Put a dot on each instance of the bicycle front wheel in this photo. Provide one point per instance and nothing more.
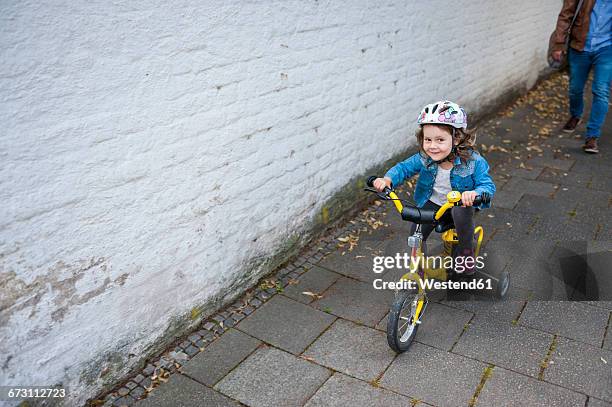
(401, 326)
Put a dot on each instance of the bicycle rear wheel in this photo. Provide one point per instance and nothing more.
(401, 328)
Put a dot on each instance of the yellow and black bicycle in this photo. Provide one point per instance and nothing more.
(409, 306)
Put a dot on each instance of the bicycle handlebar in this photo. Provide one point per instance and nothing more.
(418, 215)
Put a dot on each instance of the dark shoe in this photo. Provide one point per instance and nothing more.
(571, 124)
(466, 265)
(590, 146)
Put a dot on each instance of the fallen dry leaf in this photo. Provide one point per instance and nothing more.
(313, 295)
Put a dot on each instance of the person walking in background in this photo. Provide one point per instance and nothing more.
(590, 47)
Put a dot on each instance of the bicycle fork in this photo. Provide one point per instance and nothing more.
(415, 242)
(420, 309)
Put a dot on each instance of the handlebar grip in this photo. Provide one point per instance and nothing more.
(370, 181)
(483, 198)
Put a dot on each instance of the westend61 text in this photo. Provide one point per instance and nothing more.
(429, 284)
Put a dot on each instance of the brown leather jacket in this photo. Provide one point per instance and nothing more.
(580, 30)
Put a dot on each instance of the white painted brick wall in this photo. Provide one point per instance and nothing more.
(146, 145)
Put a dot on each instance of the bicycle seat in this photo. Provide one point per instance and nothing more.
(445, 224)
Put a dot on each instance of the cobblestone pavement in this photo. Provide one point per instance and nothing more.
(314, 333)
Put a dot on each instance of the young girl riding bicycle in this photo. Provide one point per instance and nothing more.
(446, 162)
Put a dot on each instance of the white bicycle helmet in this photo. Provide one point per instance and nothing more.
(443, 112)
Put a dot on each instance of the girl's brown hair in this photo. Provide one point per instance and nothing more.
(463, 141)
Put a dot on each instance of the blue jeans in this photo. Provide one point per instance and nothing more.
(580, 63)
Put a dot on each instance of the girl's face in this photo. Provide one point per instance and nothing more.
(437, 141)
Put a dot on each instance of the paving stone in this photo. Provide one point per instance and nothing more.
(590, 215)
(316, 281)
(511, 226)
(442, 325)
(237, 316)
(555, 163)
(570, 319)
(146, 383)
(356, 263)
(287, 324)
(255, 302)
(506, 199)
(181, 391)
(607, 305)
(586, 269)
(220, 357)
(503, 310)
(580, 367)
(148, 370)
(194, 338)
(496, 157)
(269, 377)
(601, 183)
(192, 350)
(527, 172)
(131, 385)
(533, 204)
(530, 266)
(539, 277)
(137, 393)
(166, 364)
(593, 402)
(264, 296)
(294, 274)
(370, 236)
(109, 400)
(218, 318)
(506, 388)
(382, 325)
(178, 355)
(607, 343)
(395, 224)
(527, 186)
(513, 347)
(496, 256)
(356, 301)
(592, 165)
(209, 326)
(342, 391)
(356, 350)
(551, 227)
(554, 176)
(452, 379)
(591, 197)
(124, 401)
(604, 233)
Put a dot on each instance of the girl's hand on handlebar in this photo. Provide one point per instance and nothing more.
(381, 183)
(467, 198)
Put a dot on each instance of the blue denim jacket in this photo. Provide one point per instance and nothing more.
(471, 176)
